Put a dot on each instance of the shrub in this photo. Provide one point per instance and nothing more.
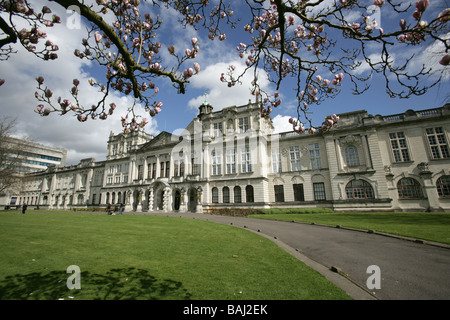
(296, 210)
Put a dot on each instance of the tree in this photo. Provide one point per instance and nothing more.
(11, 155)
(320, 44)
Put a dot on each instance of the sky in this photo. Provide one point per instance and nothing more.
(89, 139)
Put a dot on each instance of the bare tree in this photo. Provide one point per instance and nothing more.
(11, 156)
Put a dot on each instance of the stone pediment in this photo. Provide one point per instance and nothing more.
(162, 140)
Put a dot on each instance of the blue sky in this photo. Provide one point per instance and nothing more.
(84, 140)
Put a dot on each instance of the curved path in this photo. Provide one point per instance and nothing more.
(407, 269)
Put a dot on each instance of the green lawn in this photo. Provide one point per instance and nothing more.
(420, 225)
(147, 257)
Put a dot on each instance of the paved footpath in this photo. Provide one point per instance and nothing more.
(408, 270)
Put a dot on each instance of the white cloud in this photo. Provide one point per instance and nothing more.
(281, 124)
(219, 94)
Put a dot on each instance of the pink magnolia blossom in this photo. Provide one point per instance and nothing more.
(2, 81)
(98, 37)
(444, 16)
(422, 5)
(196, 67)
(335, 118)
(171, 49)
(188, 73)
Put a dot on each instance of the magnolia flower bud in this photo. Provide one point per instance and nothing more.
(40, 80)
(444, 16)
(98, 37)
(196, 67)
(445, 61)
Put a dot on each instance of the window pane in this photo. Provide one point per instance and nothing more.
(319, 191)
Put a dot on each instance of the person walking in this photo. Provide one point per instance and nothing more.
(24, 208)
(121, 208)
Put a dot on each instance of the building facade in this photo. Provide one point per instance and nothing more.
(26, 157)
(232, 159)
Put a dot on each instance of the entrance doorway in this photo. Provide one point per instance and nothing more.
(192, 197)
(177, 200)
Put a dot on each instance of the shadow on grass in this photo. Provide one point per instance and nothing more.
(116, 284)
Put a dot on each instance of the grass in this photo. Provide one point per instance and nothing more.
(420, 225)
(147, 257)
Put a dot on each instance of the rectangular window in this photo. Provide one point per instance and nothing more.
(125, 179)
(276, 160)
(216, 162)
(298, 192)
(119, 168)
(167, 169)
(314, 156)
(181, 169)
(153, 171)
(176, 168)
(217, 129)
(149, 171)
(399, 147)
(246, 160)
(195, 166)
(319, 191)
(114, 149)
(117, 179)
(243, 124)
(161, 173)
(231, 161)
(295, 158)
(279, 193)
(438, 143)
(140, 172)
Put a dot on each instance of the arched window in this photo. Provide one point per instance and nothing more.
(352, 156)
(215, 195)
(249, 194)
(359, 189)
(237, 194)
(443, 186)
(226, 195)
(409, 188)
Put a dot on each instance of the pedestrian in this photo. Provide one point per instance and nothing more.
(121, 208)
(24, 208)
(108, 209)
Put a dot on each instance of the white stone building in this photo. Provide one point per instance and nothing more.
(231, 159)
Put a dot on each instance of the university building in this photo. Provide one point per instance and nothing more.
(25, 157)
(232, 159)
